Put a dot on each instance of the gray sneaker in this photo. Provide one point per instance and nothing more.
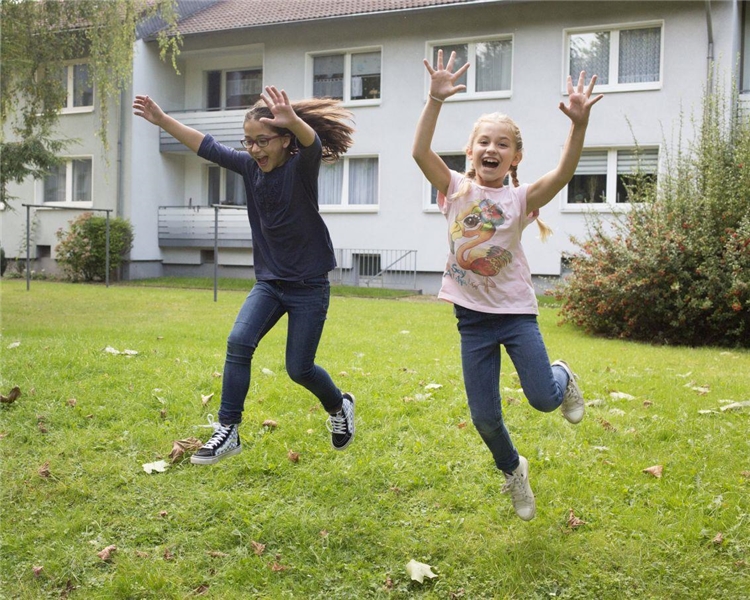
(572, 406)
(225, 442)
(517, 485)
(341, 425)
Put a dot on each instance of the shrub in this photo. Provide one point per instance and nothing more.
(676, 268)
(82, 249)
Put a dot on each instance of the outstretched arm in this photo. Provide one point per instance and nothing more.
(145, 107)
(578, 109)
(284, 116)
(442, 86)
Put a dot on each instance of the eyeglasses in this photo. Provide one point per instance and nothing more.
(261, 142)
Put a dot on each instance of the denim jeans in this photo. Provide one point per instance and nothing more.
(306, 303)
(544, 385)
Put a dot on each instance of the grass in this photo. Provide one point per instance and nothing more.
(415, 483)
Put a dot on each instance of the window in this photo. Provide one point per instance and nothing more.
(604, 177)
(622, 58)
(233, 89)
(225, 187)
(349, 182)
(489, 74)
(455, 162)
(348, 76)
(80, 90)
(68, 182)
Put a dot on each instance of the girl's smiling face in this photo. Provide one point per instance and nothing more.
(275, 153)
(492, 153)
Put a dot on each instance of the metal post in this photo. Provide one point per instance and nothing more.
(106, 276)
(216, 251)
(28, 242)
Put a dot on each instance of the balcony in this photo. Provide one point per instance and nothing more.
(199, 226)
(224, 125)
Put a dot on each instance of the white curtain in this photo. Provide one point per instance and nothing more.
(590, 52)
(330, 181)
(363, 181)
(640, 51)
(493, 64)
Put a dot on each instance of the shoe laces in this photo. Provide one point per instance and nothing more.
(221, 432)
(337, 423)
(515, 485)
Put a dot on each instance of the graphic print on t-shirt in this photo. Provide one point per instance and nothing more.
(470, 233)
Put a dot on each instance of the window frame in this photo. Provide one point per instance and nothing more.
(69, 107)
(68, 202)
(471, 81)
(428, 206)
(611, 205)
(223, 87)
(223, 177)
(345, 207)
(614, 56)
(347, 53)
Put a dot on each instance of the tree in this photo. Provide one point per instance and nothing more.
(38, 38)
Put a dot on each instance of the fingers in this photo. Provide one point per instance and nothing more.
(427, 64)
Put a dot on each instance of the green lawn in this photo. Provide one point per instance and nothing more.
(416, 483)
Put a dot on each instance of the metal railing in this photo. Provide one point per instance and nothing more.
(394, 269)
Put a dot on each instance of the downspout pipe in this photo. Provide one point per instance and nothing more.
(710, 49)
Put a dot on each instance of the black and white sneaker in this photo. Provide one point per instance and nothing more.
(225, 442)
(341, 425)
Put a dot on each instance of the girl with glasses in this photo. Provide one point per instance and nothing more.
(292, 248)
(487, 277)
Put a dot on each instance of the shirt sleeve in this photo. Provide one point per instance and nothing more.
(222, 155)
(443, 200)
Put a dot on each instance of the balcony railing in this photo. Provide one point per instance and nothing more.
(196, 227)
(224, 125)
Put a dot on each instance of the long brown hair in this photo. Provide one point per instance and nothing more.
(325, 115)
(499, 118)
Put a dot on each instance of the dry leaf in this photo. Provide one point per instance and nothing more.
(573, 521)
(179, 447)
(293, 456)
(106, 554)
(12, 396)
(159, 466)
(656, 471)
(111, 350)
(141, 554)
(41, 427)
(216, 554)
(201, 589)
(37, 571)
(510, 400)
(718, 539)
(168, 554)
(388, 585)
(13, 345)
(270, 423)
(647, 403)
(163, 413)
(745, 474)
(258, 548)
(216, 374)
(205, 399)
(735, 406)
(44, 470)
(621, 396)
(418, 571)
(433, 386)
(267, 372)
(462, 425)
(277, 566)
(607, 425)
(324, 533)
(72, 401)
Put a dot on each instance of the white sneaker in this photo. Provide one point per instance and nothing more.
(517, 485)
(572, 406)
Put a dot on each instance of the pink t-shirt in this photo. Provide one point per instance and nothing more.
(487, 270)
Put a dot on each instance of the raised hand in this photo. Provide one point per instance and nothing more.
(580, 100)
(278, 103)
(145, 107)
(443, 79)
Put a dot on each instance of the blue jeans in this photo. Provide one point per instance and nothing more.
(544, 385)
(306, 303)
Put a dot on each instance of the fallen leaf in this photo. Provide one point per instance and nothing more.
(163, 514)
(216, 374)
(37, 571)
(343, 374)
(510, 400)
(270, 423)
(607, 425)
(159, 466)
(258, 548)
(324, 533)
(41, 427)
(216, 554)
(701, 389)
(44, 470)
(718, 539)
(600, 448)
(107, 553)
(573, 521)
(267, 372)
(462, 425)
(293, 456)
(735, 406)
(168, 555)
(163, 413)
(595, 402)
(141, 554)
(745, 474)
(72, 401)
(201, 589)
(388, 585)
(418, 571)
(205, 399)
(656, 471)
(179, 447)
(127, 352)
(404, 332)
(621, 396)
(111, 350)
(433, 386)
(12, 396)
(647, 403)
